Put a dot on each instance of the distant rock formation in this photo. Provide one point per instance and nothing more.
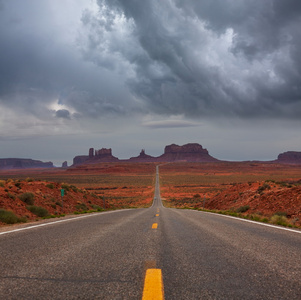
(190, 152)
(289, 157)
(91, 152)
(80, 159)
(143, 157)
(102, 155)
(65, 164)
(23, 163)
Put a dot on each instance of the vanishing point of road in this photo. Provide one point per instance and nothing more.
(150, 254)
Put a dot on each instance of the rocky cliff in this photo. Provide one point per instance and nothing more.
(289, 157)
(143, 157)
(80, 159)
(23, 163)
(102, 155)
(190, 152)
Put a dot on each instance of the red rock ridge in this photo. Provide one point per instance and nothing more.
(143, 157)
(23, 163)
(190, 152)
(289, 157)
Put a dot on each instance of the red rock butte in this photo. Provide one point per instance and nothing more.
(192, 152)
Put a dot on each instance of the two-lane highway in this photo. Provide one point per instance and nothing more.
(107, 256)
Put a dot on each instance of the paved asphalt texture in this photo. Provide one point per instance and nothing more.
(106, 255)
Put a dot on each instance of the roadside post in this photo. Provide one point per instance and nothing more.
(62, 195)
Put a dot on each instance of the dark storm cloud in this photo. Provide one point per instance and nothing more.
(200, 58)
(39, 67)
(63, 113)
(193, 58)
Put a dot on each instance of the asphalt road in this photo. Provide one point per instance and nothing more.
(106, 255)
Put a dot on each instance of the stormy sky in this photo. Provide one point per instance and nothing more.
(131, 74)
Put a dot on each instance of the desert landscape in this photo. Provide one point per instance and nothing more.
(268, 192)
(259, 191)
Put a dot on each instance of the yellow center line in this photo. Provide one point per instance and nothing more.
(153, 285)
(157, 215)
(155, 226)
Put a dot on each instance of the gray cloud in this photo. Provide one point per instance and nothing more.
(63, 113)
(170, 124)
(197, 58)
(38, 68)
(112, 66)
(205, 58)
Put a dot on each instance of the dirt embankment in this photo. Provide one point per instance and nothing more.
(30, 199)
(263, 198)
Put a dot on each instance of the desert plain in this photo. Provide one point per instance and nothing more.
(268, 192)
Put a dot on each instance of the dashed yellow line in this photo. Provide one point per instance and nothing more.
(153, 285)
(157, 215)
(155, 226)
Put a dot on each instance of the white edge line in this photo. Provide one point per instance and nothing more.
(60, 221)
(250, 221)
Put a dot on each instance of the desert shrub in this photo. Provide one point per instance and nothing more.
(269, 180)
(65, 186)
(18, 184)
(196, 196)
(282, 184)
(73, 188)
(50, 185)
(81, 206)
(97, 207)
(38, 210)
(254, 217)
(9, 217)
(242, 209)
(265, 186)
(279, 220)
(2, 183)
(27, 198)
(53, 206)
(28, 179)
(281, 213)
(59, 203)
(11, 196)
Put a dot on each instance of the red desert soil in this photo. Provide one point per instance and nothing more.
(46, 195)
(265, 188)
(263, 198)
(121, 185)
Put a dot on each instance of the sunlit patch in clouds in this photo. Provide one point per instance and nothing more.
(62, 110)
(170, 123)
